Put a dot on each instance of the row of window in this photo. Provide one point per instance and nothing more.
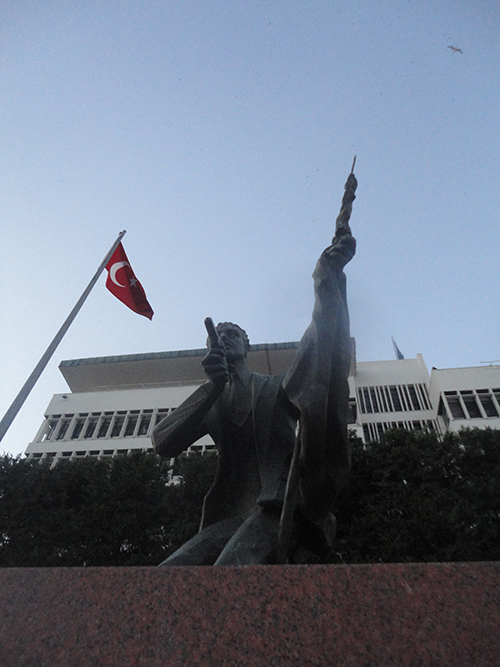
(393, 398)
(139, 423)
(372, 432)
(470, 404)
(204, 448)
(473, 404)
(99, 453)
(55, 457)
(91, 425)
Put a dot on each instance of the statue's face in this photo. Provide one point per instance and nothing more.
(233, 341)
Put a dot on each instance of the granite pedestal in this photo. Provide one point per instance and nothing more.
(360, 615)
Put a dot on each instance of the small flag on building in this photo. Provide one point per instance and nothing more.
(121, 282)
(397, 351)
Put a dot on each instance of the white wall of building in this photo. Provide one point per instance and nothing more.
(383, 395)
(391, 394)
(466, 397)
(106, 423)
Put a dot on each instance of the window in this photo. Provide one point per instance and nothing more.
(103, 428)
(455, 407)
(51, 427)
(488, 405)
(131, 423)
(414, 397)
(351, 415)
(472, 406)
(78, 427)
(145, 422)
(373, 396)
(117, 426)
(395, 398)
(63, 428)
(368, 404)
(91, 425)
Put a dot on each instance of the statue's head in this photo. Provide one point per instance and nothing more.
(235, 340)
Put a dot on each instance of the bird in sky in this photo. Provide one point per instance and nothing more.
(455, 49)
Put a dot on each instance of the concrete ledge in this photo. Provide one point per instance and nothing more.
(359, 615)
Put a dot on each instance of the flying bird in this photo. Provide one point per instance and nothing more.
(455, 49)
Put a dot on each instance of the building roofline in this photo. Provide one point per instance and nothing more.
(468, 368)
(175, 354)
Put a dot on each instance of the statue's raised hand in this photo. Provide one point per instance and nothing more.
(215, 362)
(350, 189)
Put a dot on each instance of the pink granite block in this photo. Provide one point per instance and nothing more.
(336, 615)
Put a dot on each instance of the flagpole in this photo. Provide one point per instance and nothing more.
(11, 413)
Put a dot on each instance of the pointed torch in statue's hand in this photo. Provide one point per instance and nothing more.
(350, 186)
(215, 362)
(343, 244)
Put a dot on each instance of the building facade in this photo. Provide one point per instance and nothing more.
(115, 402)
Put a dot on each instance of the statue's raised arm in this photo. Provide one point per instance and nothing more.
(317, 384)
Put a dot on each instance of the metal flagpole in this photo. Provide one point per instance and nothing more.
(11, 413)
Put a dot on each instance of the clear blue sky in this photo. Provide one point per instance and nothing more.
(220, 135)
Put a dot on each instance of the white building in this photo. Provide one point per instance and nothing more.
(115, 402)
(391, 394)
(401, 394)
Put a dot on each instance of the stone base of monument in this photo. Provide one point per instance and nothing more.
(399, 614)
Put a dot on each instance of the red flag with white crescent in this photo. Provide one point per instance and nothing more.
(121, 282)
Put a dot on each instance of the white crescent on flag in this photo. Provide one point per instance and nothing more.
(114, 269)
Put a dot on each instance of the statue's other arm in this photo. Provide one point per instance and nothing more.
(174, 434)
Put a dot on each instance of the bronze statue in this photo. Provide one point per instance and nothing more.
(282, 440)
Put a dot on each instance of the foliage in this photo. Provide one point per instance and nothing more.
(196, 475)
(120, 511)
(412, 497)
(418, 497)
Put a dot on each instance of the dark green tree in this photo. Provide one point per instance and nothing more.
(417, 497)
(121, 511)
(479, 509)
(412, 497)
(196, 474)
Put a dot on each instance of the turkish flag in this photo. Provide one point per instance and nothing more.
(121, 282)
